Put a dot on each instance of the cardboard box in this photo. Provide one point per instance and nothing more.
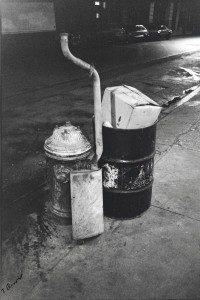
(127, 108)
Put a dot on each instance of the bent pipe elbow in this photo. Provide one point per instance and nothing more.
(96, 89)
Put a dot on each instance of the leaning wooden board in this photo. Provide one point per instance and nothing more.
(86, 203)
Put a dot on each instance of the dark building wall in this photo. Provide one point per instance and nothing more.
(80, 16)
(128, 12)
(16, 46)
(183, 15)
(74, 15)
(177, 14)
(195, 18)
(70, 16)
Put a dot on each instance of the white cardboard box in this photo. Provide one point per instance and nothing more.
(127, 108)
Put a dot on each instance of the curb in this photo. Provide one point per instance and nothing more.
(180, 102)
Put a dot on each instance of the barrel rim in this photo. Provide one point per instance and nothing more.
(128, 130)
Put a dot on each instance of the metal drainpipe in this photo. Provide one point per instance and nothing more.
(96, 91)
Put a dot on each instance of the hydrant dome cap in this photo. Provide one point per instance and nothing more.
(66, 141)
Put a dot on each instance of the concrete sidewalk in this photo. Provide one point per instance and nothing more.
(155, 256)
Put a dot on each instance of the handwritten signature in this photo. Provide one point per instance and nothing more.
(9, 285)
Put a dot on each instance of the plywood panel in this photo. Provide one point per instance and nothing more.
(86, 204)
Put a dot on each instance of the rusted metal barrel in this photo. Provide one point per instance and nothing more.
(127, 163)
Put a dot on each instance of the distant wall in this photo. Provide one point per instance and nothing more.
(176, 14)
(32, 27)
(28, 27)
(27, 17)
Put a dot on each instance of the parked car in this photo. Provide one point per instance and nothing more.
(159, 32)
(137, 32)
(112, 33)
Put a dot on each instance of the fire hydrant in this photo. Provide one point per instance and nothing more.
(66, 150)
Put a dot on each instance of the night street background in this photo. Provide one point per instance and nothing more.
(153, 256)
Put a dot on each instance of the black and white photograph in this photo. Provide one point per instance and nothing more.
(100, 149)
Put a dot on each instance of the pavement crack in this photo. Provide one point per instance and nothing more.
(175, 212)
(191, 128)
(177, 140)
(115, 225)
(48, 270)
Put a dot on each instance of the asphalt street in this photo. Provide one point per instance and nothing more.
(31, 72)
